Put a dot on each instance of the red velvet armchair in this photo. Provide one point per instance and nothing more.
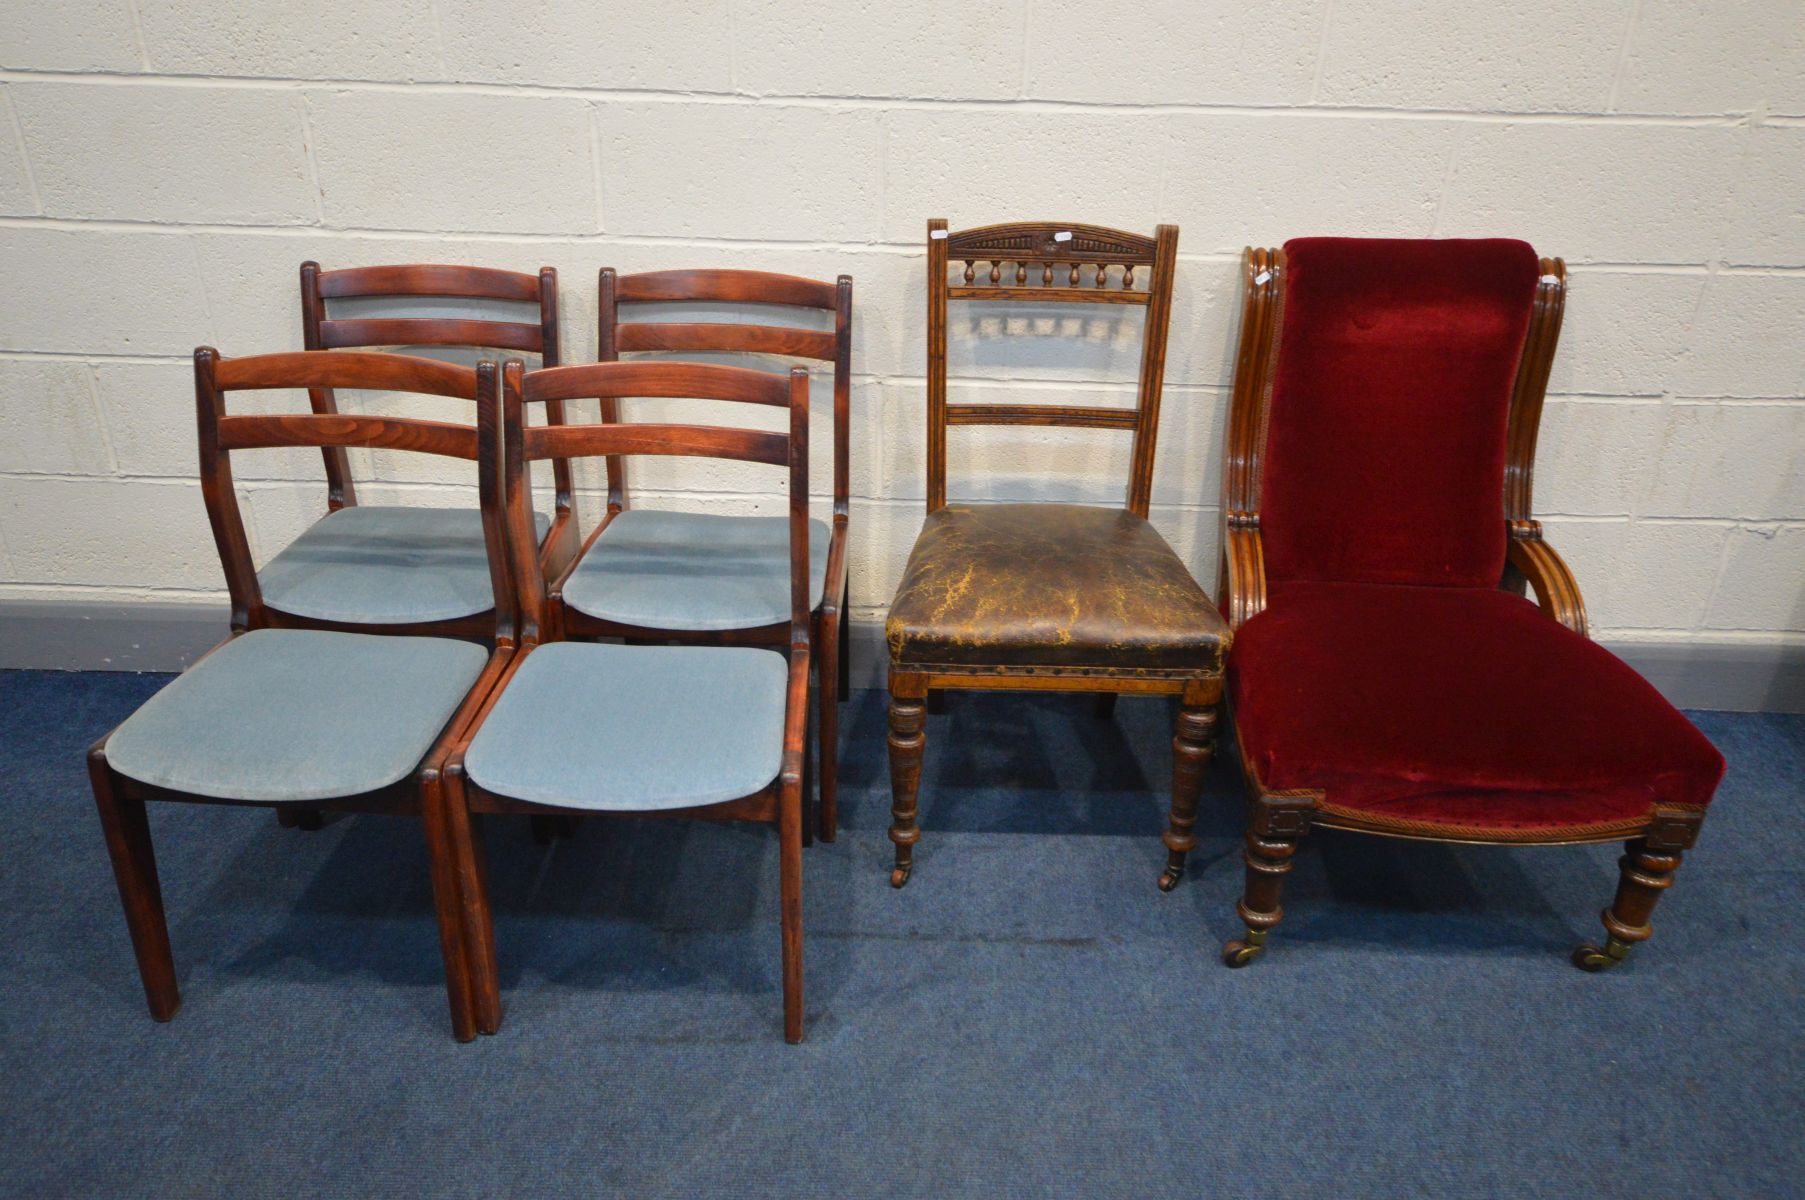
(1387, 675)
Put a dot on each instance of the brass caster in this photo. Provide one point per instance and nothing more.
(1242, 951)
(1169, 878)
(900, 875)
(1588, 957)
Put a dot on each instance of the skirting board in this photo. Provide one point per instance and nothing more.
(1710, 674)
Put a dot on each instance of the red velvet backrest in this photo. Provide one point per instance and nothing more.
(1384, 458)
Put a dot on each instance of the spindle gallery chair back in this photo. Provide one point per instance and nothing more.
(708, 578)
(1050, 596)
(280, 717)
(710, 731)
(1376, 494)
(323, 580)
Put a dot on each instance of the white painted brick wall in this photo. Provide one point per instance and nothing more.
(165, 165)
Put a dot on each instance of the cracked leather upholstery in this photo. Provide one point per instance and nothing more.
(1055, 585)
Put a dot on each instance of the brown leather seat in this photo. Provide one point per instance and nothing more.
(1055, 585)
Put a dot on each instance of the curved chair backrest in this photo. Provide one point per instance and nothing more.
(1388, 409)
(1045, 262)
(505, 434)
(616, 337)
(419, 281)
(221, 434)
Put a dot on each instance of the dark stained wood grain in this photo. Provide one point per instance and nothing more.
(583, 441)
(702, 381)
(425, 331)
(383, 372)
(726, 287)
(428, 279)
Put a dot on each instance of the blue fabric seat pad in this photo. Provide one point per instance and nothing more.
(385, 565)
(298, 714)
(694, 571)
(634, 728)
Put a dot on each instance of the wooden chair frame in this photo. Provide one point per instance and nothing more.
(1278, 819)
(614, 337)
(121, 800)
(541, 616)
(1056, 250)
(417, 281)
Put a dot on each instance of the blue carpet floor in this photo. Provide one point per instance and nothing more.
(1029, 1018)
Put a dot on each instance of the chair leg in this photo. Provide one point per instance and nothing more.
(472, 881)
(1643, 875)
(789, 832)
(1268, 862)
(844, 654)
(908, 736)
(449, 907)
(135, 871)
(828, 680)
(1191, 742)
(1104, 705)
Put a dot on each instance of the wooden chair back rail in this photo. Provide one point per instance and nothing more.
(1056, 254)
(503, 435)
(1527, 397)
(419, 280)
(221, 434)
(724, 287)
(429, 279)
(702, 381)
(730, 337)
(700, 441)
(427, 331)
(616, 337)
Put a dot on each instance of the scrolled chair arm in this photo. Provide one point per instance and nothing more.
(1243, 572)
(1549, 577)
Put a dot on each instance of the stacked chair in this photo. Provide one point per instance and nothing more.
(1383, 668)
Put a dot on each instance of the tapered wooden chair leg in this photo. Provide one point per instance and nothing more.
(828, 677)
(1191, 742)
(135, 871)
(1268, 862)
(472, 880)
(908, 735)
(449, 906)
(1643, 875)
(789, 830)
(844, 654)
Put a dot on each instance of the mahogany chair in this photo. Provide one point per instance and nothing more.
(715, 732)
(1376, 495)
(402, 568)
(719, 578)
(281, 717)
(1057, 597)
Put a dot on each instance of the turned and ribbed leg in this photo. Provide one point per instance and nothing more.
(1268, 862)
(1645, 874)
(1191, 744)
(908, 735)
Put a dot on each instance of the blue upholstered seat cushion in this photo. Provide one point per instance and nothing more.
(298, 714)
(683, 570)
(376, 565)
(634, 728)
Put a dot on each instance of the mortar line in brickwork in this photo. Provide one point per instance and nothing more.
(1033, 105)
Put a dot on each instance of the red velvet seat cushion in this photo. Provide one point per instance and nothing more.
(1384, 459)
(1456, 709)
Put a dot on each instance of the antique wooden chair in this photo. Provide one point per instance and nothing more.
(1376, 494)
(706, 577)
(716, 732)
(282, 717)
(403, 568)
(1041, 596)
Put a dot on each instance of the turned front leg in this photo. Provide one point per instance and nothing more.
(1644, 874)
(1268, 861)
(1191, 742)
(908, 735)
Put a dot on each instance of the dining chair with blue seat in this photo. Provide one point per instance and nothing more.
(715, 732)
(319, 719)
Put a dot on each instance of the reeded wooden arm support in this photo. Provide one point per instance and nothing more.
(1243, 574)
(1554, 586)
